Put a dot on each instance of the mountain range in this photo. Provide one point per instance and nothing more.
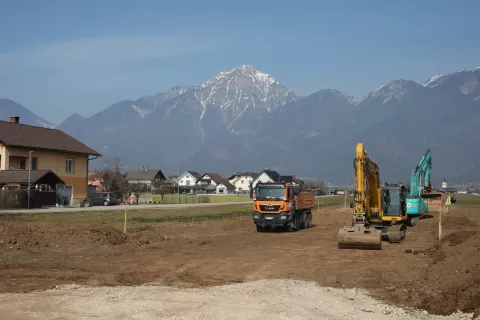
(244, 120)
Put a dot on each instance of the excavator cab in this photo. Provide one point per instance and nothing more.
(394, 202)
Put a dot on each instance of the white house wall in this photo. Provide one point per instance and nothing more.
(263, 177)
(206, 177)
(222, 187)
(242, 183)
(187, 179)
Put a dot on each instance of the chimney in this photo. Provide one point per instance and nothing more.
(15, 120)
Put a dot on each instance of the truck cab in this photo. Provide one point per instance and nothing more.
(281, 204)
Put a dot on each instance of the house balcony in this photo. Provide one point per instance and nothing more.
(16, 162)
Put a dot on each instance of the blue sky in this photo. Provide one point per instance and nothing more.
(61, 57)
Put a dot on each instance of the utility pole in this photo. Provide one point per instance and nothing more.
(29, 170)
(346, 177)
(178, 183)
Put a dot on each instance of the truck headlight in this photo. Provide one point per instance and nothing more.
(283, 217)
(255, 216)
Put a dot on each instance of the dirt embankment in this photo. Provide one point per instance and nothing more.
(451, 279)
(440, 277)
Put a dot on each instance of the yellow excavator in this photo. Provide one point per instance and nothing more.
(380, 211)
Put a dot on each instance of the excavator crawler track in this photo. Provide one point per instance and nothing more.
(397, 233)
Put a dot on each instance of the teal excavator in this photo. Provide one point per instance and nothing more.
(416, 204)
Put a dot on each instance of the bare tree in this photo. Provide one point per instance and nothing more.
(113, 164)
(112, 178)
(137, 189)
(163, 187)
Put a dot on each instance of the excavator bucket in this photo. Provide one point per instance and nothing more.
(359, 237)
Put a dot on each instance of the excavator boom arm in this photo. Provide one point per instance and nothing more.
(422, 170)
(367, 177)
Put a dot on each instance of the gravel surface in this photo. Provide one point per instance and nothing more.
(264, 299)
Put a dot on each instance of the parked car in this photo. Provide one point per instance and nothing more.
(101, 198)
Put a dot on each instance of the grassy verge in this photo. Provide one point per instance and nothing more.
(139, 217)
(136, 218)
(191, 198)
(229, 198)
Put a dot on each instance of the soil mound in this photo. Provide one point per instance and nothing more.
(35, 236)
(451, 281)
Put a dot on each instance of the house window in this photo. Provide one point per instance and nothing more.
(241, 181)
(69, 166)
(181, 181)
(34, 163)
(188, 182)
(21, 164)
(44, 188)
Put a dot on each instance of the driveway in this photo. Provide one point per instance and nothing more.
(121, 207)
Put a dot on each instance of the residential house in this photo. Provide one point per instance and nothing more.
(95, 179)
(266, 176)
(273, 176)
(148, 177)
(225, 187)
(241, 181)
(187, 180)
(24, 147)
(208, 183)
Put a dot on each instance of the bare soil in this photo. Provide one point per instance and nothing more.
(439, 277)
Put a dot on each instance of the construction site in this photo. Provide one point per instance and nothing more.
(338, 257)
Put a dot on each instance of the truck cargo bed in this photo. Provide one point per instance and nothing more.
(306, 200)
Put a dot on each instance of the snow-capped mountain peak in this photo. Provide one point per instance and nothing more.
(395, 89)
(441, 78)
(244, 70)
(236, 90)
(338, 93)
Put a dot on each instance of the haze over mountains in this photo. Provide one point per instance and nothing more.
(243, 120)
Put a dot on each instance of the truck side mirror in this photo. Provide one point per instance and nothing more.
(352, 205)
(251, 193)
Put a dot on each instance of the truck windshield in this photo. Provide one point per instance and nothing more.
(270, 193)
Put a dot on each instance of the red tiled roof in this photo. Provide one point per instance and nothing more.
(21, 135)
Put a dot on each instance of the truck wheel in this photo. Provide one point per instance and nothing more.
(299, 222)
(290, 227)
(309, 220)
(304, 221)
(259, 228)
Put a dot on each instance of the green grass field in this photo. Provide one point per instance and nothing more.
(140, 217)
(468, 201)
(136, 218)
(191, 198)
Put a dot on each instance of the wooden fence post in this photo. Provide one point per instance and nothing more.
(125, 220)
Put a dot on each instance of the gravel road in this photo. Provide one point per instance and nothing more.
(264, 299)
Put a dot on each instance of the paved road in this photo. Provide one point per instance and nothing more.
(121, 207)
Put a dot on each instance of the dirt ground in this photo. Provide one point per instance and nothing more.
(439, 277)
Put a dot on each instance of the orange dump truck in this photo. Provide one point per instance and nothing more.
(281, 204)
